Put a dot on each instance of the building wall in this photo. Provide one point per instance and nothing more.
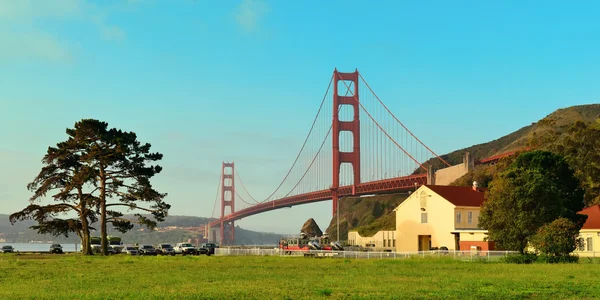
(382, 239)
(450, 174)
(440, 221)
(591, 243)
(474, 238)
(464, 217)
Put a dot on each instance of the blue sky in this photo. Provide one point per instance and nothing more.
(207, 81)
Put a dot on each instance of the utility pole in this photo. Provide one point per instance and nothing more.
(337, 215)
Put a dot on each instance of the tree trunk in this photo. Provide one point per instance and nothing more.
(104, 244)
(86, 248)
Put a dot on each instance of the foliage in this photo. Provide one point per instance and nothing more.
(581, 148)
(558, 238)
(67, 177)
(520, 258)
(93, 166)
(537, 188)
(262, 277)
(484, 174)
(558, 259)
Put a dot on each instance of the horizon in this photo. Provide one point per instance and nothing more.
(200, 81)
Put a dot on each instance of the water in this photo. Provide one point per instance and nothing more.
(41, 247)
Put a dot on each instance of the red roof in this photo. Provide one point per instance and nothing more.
(593, 220)
(459, 195)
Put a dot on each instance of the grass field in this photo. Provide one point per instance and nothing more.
(201, 277)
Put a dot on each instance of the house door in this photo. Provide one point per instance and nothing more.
(424, 242)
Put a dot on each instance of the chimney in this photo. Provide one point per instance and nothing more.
(475, 186)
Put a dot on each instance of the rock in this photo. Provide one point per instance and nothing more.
(311, 228)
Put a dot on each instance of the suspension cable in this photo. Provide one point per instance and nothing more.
(401, 124)
(305, 141)
(241, 198)
(383, 130)
(217, 196)
(237, 174)
(312, 162)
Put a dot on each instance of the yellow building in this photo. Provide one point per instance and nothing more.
(590, 232)
(382, 240)
(441, 216)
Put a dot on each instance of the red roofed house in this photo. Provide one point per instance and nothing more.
(590, 232)
(441, 216)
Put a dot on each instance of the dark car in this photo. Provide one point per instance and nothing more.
(210, 248)
(56, 249)
(7, 249)
(147, 250)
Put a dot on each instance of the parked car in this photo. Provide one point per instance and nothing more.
(7, 249)
(210, 248)
(147, 250)
(186, 248)
(130, 250)
(56, 249)
(165, 249)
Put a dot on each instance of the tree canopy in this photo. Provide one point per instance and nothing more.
(581, 148)
(537, 188)
(96, 172)
(558, 238)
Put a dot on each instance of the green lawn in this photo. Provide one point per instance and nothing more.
(76, 277)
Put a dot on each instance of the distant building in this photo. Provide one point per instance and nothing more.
(441, 216)
(382, 240)
(590, 232)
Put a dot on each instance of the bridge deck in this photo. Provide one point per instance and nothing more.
(398, 184)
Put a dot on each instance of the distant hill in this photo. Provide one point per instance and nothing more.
(369, 215)
(20, 232)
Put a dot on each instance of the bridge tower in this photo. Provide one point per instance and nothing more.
(344, 81)
(227, 200)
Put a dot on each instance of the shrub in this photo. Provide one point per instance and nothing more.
(526, 258)
(558, 259)
(558, 238)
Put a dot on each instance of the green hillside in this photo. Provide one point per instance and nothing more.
(366, 214)
(521, 138)
(369, 215)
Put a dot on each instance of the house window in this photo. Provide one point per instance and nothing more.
(470, 217)
(394, 243)
(582, 245)
(590, 244)
(384, 243)
(458, 217)
(423, 198)
(423, 218)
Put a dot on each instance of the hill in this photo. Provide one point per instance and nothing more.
(369, 215)
(181, 229)
(521, 138)
(366, 214)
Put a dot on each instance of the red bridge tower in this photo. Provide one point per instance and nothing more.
(227, 200)
(348, 81)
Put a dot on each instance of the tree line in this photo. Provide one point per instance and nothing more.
(94, 175)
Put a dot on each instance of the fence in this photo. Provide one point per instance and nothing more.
(461, 255)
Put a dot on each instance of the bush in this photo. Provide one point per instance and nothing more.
(558, 238)
(558, 259)
(527, 258)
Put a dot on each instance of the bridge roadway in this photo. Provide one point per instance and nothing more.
(398, 184)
